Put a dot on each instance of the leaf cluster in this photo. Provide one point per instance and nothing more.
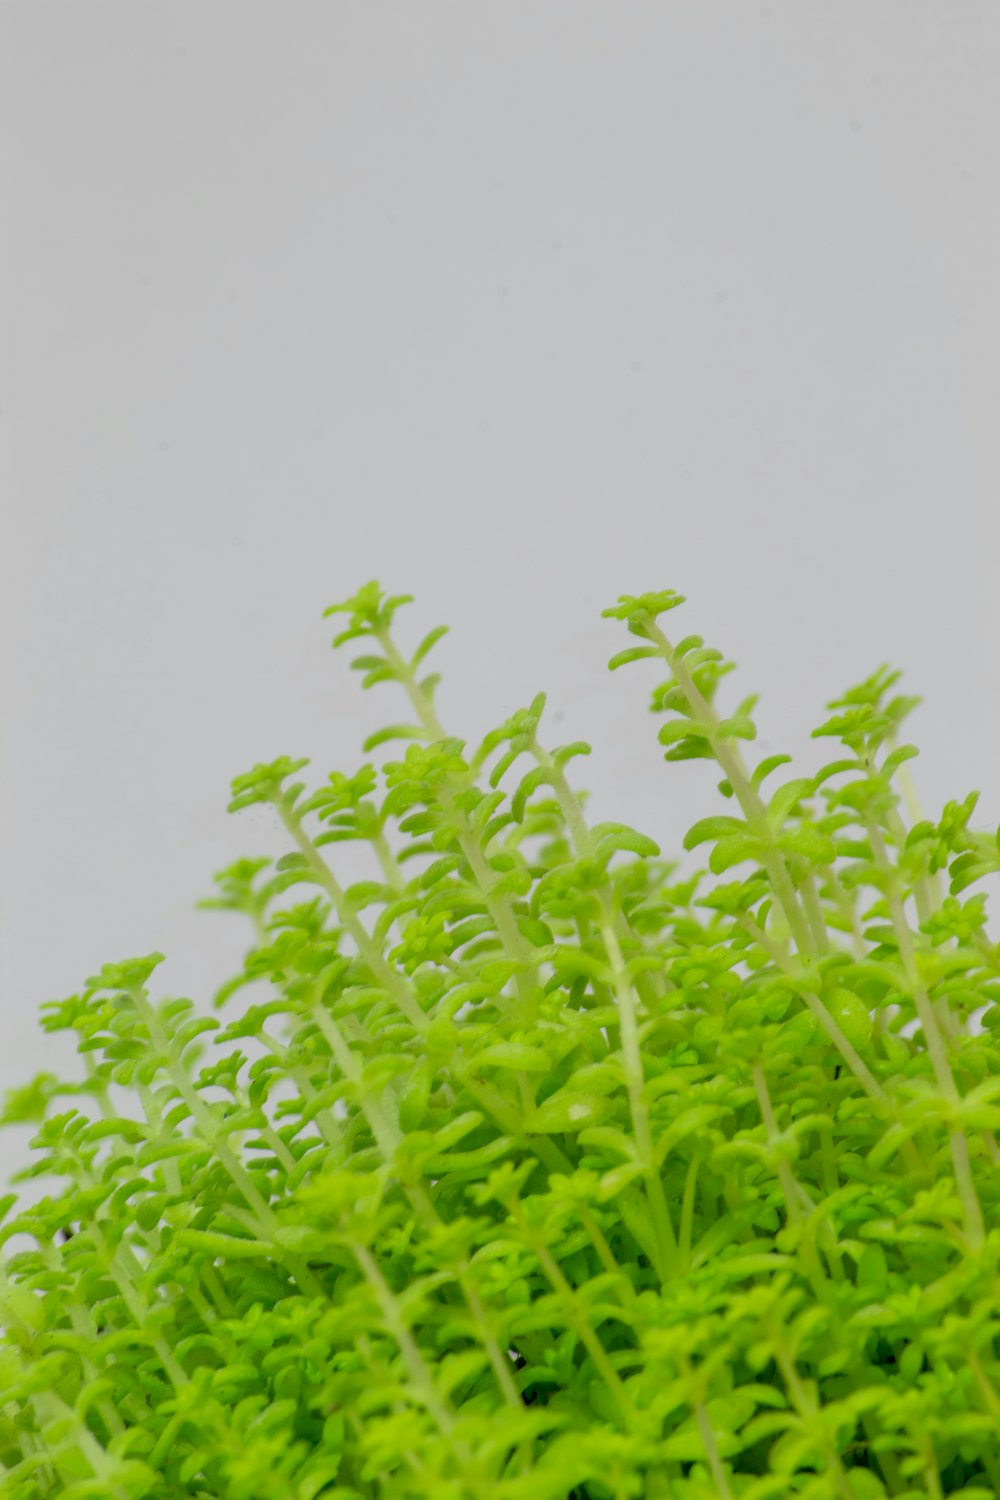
(534, 1165)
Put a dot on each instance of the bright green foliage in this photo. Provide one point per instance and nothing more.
(532, 1167)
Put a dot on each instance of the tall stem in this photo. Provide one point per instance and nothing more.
(264, 1218)
(635, 1082)
(731, 763)
(517, 950)
(391, 980)
(972, 1213)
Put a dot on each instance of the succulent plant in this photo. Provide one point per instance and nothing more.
(536, 1165)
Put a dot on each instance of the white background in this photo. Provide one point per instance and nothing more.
(514, 306)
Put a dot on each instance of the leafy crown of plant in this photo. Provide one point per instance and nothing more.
(534, 1167)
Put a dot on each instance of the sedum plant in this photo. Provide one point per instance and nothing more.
(534, 1166)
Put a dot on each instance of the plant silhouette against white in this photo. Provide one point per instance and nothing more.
(534, 1167)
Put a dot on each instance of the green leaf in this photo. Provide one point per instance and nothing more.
(733, 850)
(809, 843)
(606, 1138)
(633, 606)
(630, 654)
(712, 828)
(568, 752)
(851, 1015)
(678, 729)
(415, 1097)
(393, 732)
(897, 758)
(428, 643)
(873, 1274)
(619, 838)
(292, 862)
(517, 1055)
(265, 783)
(788, 797)
(740, 726)
(766, 767)
(439, 869)
(567, 1112)
(528, 784)
(504, 764)
(222, 1246)
(150, 1211)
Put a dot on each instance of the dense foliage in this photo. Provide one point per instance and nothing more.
(533, 1167)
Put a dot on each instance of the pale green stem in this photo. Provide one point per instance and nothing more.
(583, 841)
(912, 801)
(790, 1185)
(217, 1291)
(599, 1242)
(424, 1206)
(990, 1399)
(274, 1140)
(936, 1047)
(517, 950)
(137, 1305)
(712, 1452)
(848, 906)
(385, 1130)
(326, 1121)
(154, 1115)
(921, 891)
(731, 764)
(795, 1195)
(686, 1226)
(806, 1408)
(499, 1363)
(814, 912)
(819, 1012)
(932, 1474)
(50, 1402)
(81, 1327)
(123, 1267)
(202, 1115)
(388, 862)
(388, 1138)
(388, 977)
(635, 1083)
(420, 1375)
(549, 1154)
(779, 958)
(266, 1222)
(580, 1323)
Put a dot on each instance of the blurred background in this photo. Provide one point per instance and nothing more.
(513, 306)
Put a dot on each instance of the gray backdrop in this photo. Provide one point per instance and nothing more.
(514, 306)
